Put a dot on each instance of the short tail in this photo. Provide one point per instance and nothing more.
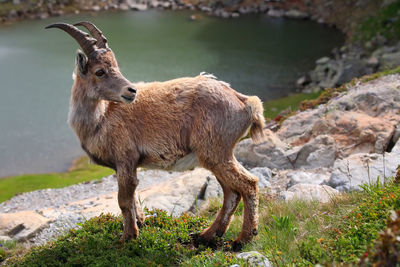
(257, 119)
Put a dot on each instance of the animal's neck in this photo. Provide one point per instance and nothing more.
(86, 115)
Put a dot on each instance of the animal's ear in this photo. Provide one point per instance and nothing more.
(81, 62)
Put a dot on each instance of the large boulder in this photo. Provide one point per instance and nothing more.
(264, 176)
(355, 132)
(319, 152)
(373, 99)
(317, 176)
(358, 169)
(22, 225)
(181, 193)
(389, 60)
(311, 192)
(270, 153)
(330, 73)
(297, 129)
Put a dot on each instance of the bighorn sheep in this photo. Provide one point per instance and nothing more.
(171, 125)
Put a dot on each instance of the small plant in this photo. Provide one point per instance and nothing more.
(283, 223)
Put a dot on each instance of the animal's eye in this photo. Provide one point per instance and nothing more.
(99, 73)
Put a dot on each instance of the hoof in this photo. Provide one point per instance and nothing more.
(127, 237)
(236, 246)
(220, 233)
(198, 240)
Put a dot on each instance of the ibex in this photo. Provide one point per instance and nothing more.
(172, 125)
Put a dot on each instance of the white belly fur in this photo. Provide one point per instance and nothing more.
(188, 162)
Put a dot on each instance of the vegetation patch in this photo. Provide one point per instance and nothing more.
(295, 233)
(276, 107)
(81, 171)
(385, 22)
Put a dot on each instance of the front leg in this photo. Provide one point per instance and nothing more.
(127, 183)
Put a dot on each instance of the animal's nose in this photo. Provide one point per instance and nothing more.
(132, 90)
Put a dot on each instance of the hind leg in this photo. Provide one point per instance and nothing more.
(237, 179)
(221, 223)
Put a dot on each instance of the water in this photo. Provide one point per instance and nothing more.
(256, 54)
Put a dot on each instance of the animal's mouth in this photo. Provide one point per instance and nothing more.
(128, 99)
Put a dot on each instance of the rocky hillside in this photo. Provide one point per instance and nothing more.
(317, 153)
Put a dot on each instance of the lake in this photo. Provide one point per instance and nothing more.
(256, 54)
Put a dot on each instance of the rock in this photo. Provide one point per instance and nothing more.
(373, 62)
(302, 81)
(373, 99)
(244, 10)
(124, 7)
(322, 61)
(319, 152)
(166, 5)
(154, 4)
(276, 13)
(296, 14)
(96, 8)
(264, 175)
(254, 258)
(355, 132)
(350, 173)
(22, 225)
(312, 192)
(330, 73)
(298, 129)
(316, 176)
(179, 194)
(270, 153)
(389, 60)
(137, 6)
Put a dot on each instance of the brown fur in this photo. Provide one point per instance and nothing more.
(197, 118)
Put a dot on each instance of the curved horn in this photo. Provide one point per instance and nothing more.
(95, 32)
(84, 40)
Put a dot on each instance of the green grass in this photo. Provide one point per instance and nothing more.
(273, 108)
(82, 171)
(294, 233)
(385, 22)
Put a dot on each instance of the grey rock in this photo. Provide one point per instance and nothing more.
(389, 60)
(358, 169)
(296, 14)
(322, 61)
(124, 7)
(316, 176)
(276, 13)
(264, 175)
(137, 6)
(96, 8)
(254, 258)
(300, 126)
(22, 225)
(270, 153)
(177, 195)
(375, 100)
(310, 192)
(331, 73)
(319, 152)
